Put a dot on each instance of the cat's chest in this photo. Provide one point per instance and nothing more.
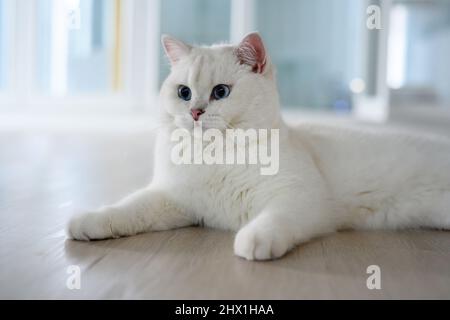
(219, 195)
(218, 182)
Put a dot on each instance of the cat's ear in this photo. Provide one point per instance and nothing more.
(251, 52)
(175, 49)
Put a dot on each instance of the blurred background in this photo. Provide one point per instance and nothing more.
(341, 57)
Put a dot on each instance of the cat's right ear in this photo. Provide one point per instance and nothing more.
(175, 49)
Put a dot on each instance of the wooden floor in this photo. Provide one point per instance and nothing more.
(45, 177)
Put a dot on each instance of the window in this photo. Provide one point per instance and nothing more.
(316, 46)
(78, 47)
(4, 31)
(194, 21)
(419, 50)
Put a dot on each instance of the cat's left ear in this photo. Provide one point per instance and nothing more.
(175, 49)
(251, 52)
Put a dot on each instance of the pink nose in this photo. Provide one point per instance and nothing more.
(196, 113)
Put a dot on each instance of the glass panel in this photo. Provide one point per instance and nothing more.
(194, 21)
(419, 52)
(316, 46)
(4, 22)
(77, 46)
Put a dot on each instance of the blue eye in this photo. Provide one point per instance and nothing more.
(220, 91)
(184, 93)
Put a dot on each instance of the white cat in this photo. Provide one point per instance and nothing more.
(329, 178)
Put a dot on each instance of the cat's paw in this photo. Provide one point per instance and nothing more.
(255, 243)
(90, 226)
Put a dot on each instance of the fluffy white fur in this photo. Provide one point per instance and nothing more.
(329, 178)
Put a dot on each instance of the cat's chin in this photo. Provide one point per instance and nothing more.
(204, 125)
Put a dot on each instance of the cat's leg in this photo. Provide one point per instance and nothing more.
(144, 210)
(421, 208)
(281, 226)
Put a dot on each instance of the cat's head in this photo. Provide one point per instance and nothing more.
(223, 86)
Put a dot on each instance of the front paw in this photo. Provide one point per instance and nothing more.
(90, 226)
(254, 242)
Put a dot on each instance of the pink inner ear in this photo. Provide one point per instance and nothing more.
(251, 52)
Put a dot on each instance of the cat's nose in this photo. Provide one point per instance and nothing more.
(196, 113)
